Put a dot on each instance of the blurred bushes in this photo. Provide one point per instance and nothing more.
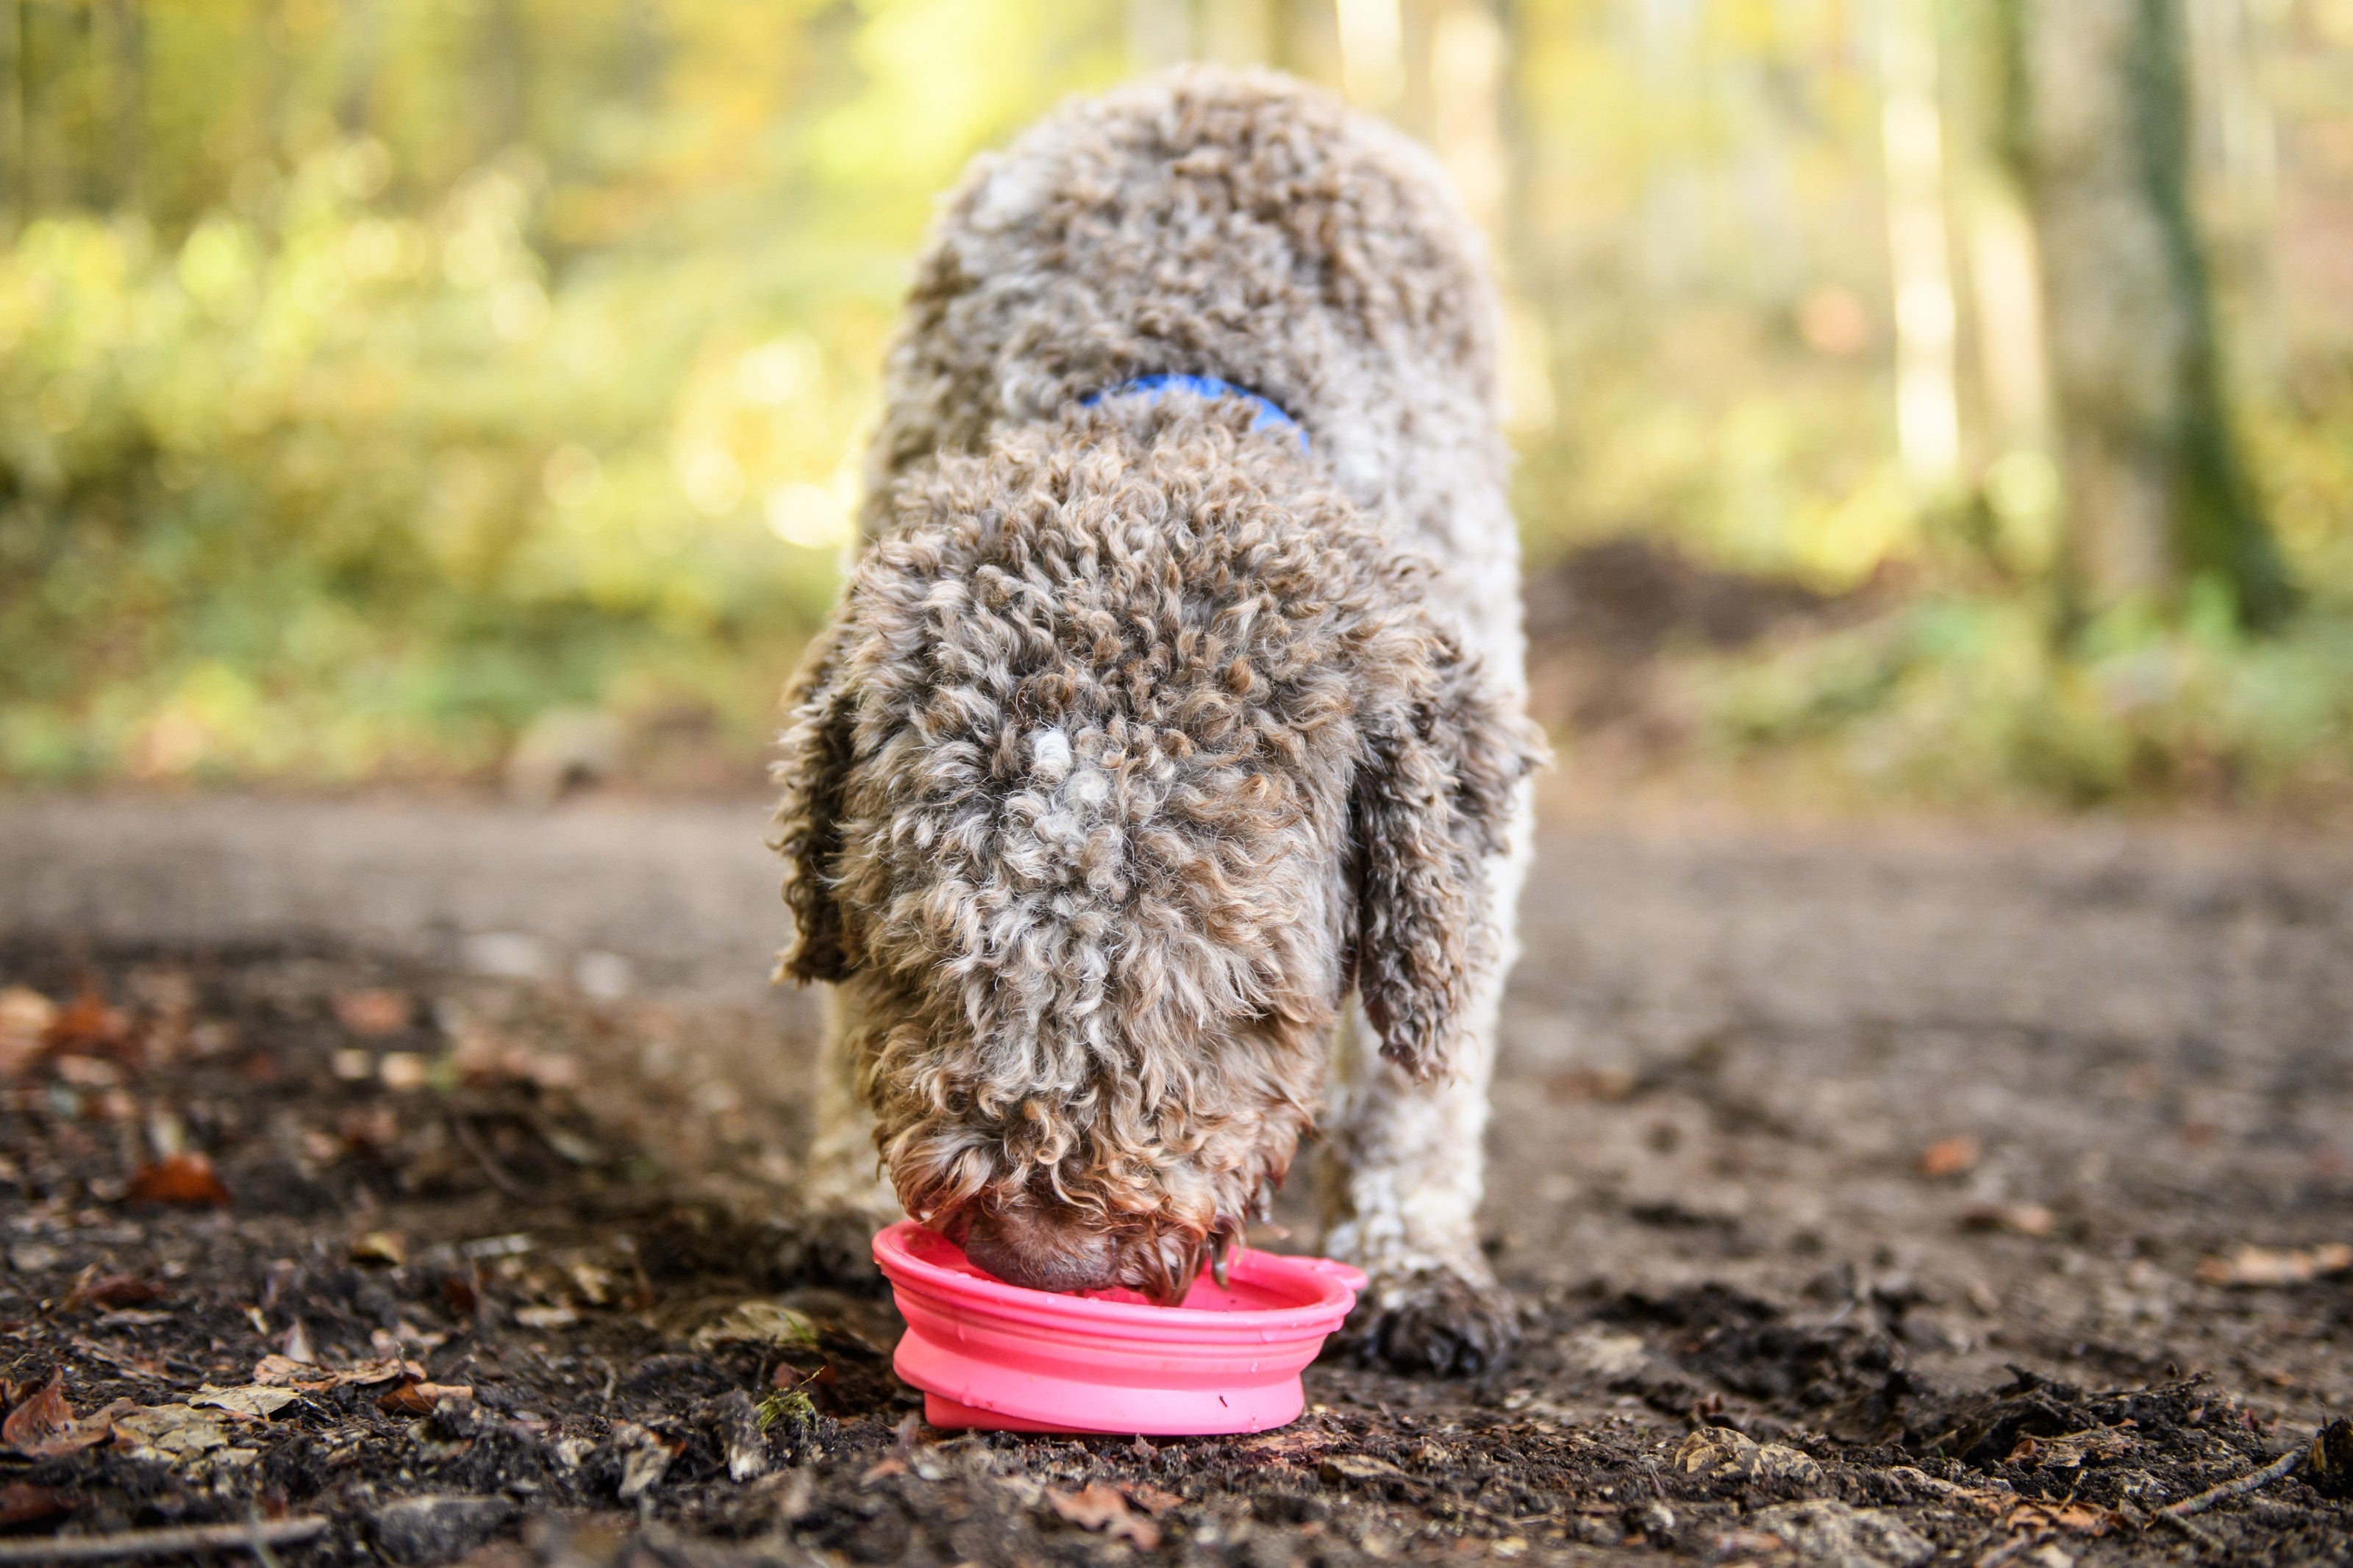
(447, 364)
(336, 454)
(350, 491)
(1979, 687)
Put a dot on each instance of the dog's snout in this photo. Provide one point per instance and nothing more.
(1042, 1250)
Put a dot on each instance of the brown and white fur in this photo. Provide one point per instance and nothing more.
(1146, 734)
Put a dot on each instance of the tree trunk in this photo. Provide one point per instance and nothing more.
(2158, 493)
(1372, 52)
(121, 50)
(1912, 143)
(16, 166)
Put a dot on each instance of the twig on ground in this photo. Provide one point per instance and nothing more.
(2254, 1481)
(177, 1541)
(471, 1142)
(2196, 1532)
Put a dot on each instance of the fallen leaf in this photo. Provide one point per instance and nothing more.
(1338, 1467)
(186, 1177)
(381, 1247)
(1098, 1506)
(253, 1402)
(113, 1291)
(2026, 1219)
(756, 1322)
(404, 1400)
(1288, 1446)
(403, 1071)
(22, 1502)
(2075, 1517)
(132, 1318)
(1154, 1500)
(2069, 1450)
(25, 1016)
(2276, 1265)
(275, 1370)
(1948, 1156)
(422, 1398)
(86, 1072)
(44, 1426)
(382, 1370)
(169, 1432)
(372, 1012)
(87, 1024)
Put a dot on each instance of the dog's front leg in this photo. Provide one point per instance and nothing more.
(846, 1198)
(1405, 1169)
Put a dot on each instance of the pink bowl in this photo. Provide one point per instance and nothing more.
(990, 1354)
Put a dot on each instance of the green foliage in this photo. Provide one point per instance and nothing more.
(1971, 693)
(348, 450)
(376, 377)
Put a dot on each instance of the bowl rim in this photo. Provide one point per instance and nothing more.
(1337, 1285)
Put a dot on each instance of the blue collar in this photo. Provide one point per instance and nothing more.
(1155, 387)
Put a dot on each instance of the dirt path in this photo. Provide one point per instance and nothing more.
(1804, 1142)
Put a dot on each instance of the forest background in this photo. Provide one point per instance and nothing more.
(1940, 400)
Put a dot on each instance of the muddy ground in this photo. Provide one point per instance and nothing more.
(1891, 1195)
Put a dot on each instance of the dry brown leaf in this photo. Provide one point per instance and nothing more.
(25, 1018)
(275, 1370)
(171, 1432)
(2276, 1265)
(381, 1247)
(186, 1177)
(382, 1370)
(44, 1426)
(1154, 1500)
(373, 1012)
(253, 1402)
(2025, 1219)
(1098, 1506)
(2069, 1450)
(86, 1025)
(2075, 1517)
(111, 1291)
(1289, 1447)
(1949, 1156)
(421, 1398)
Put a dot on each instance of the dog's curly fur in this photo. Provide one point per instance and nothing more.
(1143, 734)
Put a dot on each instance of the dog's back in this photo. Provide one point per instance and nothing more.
(1242, 226)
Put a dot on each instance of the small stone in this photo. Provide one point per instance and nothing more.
(436, 1526)
(1827, 1534)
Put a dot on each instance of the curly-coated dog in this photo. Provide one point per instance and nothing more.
(1179, 693)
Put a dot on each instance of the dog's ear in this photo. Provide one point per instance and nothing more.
(1429, 806)
(813, 767)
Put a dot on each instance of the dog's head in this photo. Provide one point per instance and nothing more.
(1129, 750)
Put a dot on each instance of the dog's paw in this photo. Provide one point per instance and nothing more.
(1433, 1321)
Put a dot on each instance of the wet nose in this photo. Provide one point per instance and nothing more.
(1042, 1250)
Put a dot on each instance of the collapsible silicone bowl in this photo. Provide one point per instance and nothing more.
(990, 1354)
